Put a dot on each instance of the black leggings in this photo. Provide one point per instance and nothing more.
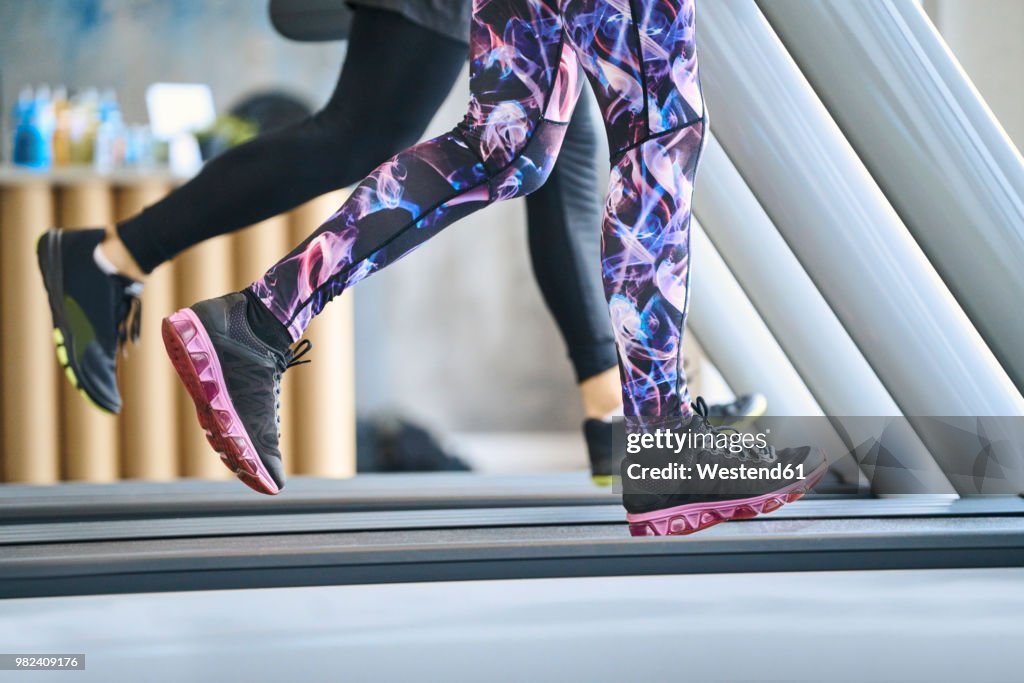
(354, 132)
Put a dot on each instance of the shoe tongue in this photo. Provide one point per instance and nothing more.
(131, 287)
(93, 299)
(697, 424)
(281, 359)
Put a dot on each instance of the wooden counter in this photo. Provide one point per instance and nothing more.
(50, 433)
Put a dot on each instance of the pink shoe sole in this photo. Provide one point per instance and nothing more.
(688, 519)
(195, 360)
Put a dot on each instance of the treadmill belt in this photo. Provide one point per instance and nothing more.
(503, 553)
(77, 539)
(366, 493)
(90, 529)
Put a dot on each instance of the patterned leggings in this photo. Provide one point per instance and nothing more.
(526, 58)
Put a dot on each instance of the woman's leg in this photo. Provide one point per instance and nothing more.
(524, 83)
(640, 57)
(358, 128)
(231, 351)
(565, 248)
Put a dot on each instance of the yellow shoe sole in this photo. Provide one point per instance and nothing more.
(69, 372)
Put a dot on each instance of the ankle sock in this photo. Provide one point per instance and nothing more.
(265, 326)
(102, 261)
(105, 264)
(133, 286)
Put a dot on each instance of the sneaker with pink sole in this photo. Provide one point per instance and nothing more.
(234, 380)
(760, 480)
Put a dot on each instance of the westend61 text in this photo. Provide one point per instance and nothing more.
(703, 471)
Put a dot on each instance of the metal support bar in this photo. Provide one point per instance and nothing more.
(736, 339)
(796, 314)
(935, 149)
(839, 224)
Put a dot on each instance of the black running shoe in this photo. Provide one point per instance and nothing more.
(234, 380)
(94, 314)
(598, 435)
(660, 507)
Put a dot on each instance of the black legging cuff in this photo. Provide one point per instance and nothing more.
(137, 235)
(589, 361)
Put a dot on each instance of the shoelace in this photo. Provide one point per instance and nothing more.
(289, 360)
(129, 315)
(700, 408)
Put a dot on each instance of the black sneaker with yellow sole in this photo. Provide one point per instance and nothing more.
(94, 314)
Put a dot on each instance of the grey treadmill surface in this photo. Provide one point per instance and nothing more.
(79, 539)
(367, 492)
(192, 497)
(909, 625)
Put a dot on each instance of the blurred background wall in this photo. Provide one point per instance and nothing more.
(128, 44)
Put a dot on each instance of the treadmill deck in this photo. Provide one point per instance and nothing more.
(82, 539)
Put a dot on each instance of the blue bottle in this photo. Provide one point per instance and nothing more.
(31, 146)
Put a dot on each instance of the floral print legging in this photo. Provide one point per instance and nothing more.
(527, 57)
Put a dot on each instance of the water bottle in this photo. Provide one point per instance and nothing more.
(110, 135)
(30, 145)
